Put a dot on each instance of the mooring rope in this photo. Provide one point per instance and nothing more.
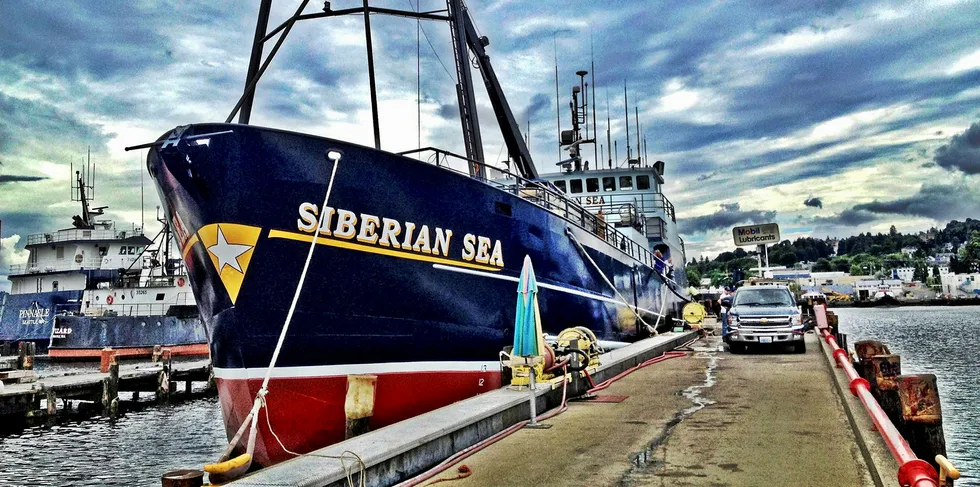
(252, 418)
(632, 308)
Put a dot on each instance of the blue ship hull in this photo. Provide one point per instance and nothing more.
(400, 309)
(31, 316)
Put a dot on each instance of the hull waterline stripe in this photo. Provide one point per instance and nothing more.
(302, 237)
(349, 369)
(552, 287)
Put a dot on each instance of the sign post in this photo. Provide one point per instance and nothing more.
(760, 235)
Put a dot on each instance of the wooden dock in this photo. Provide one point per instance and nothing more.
(161, 379)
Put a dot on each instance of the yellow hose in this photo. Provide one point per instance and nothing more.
(228, 465)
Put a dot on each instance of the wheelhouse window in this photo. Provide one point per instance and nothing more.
(625, 182)
(643, 182)
(576, 185)
(609, 184)
(592, 185)
(561, 185)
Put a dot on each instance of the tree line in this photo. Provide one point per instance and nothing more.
(862, 254)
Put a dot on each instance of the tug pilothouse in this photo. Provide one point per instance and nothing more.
(97, 285)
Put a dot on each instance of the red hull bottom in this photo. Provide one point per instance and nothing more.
(307, 413)
(198, 349)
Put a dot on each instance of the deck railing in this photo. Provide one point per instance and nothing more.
(547, 197)
(67, 265)
(79, 234)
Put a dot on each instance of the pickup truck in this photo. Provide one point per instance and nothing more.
(762, 315)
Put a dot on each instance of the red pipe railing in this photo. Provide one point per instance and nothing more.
(912, 471)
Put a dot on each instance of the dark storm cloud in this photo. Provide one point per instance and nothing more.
(540, 107)
(937, 201)
(728, 216)
(99, 39)
(962, 152)
(847, 218)
(813, 202)
(13, 178)
(41, 129)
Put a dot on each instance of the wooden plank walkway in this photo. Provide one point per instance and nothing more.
(25, 399)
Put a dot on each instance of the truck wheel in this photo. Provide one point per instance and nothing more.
(736, 348)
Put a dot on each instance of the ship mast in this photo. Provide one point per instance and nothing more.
(466, 41)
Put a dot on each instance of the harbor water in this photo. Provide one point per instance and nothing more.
(140, 446)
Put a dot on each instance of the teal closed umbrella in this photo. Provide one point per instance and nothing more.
(528, 335)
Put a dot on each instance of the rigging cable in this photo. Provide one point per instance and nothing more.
(652, 330)
(426, 35)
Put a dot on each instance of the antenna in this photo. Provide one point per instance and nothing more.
(595, 127)
(627, 98)
(616, 147)
(557, 98)
(142, 215)
(608, 131)
(636, 112)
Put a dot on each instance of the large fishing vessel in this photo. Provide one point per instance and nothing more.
(413, 275)
(94, 285)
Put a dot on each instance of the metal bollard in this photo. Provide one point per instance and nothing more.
(183, 478)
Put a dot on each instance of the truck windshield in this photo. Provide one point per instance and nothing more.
(763, 297)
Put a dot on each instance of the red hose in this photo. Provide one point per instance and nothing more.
(912, 471)
(608, 382)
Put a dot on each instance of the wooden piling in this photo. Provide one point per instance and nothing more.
(164, 386)
(187, 387)
(922, 416)
(52, 403)
(110, 390)
(157, 352)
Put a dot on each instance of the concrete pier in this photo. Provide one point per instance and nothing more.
(709, 419)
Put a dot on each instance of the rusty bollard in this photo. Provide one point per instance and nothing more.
(183, 478)
(25, 355)
(157, 352)
(107, 357)
(922, 416)
(885, 370)
(865, 349)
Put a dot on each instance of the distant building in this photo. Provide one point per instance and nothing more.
(943, 258)
(905, 274)
(909, 251)
(960, 285)
(867, 288)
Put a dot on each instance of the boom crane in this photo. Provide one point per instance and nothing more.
(460, 19)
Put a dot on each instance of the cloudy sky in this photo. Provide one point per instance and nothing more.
(830, 118)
